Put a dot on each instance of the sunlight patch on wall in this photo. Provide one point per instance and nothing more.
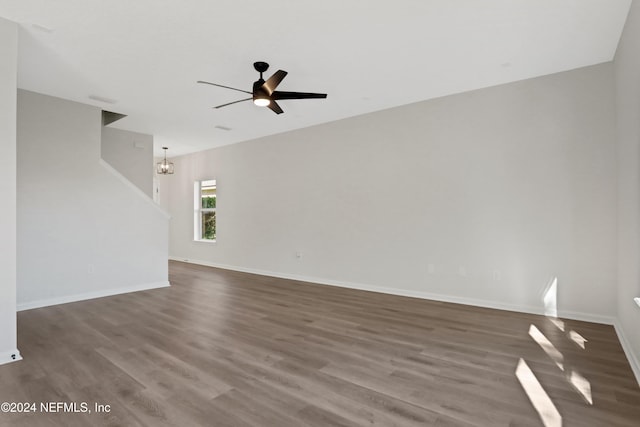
(550, 298)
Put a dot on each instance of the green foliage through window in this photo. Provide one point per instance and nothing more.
(209, 225)
(208, 202)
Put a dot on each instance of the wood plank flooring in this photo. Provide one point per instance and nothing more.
(222, 348)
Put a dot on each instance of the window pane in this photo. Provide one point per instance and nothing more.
(209, 225)
(208, 202)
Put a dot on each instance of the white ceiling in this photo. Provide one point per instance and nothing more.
(367, 55)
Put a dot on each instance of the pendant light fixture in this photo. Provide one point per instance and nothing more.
(164, 167)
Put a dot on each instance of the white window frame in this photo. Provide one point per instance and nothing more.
(198, 210)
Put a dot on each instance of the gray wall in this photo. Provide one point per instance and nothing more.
(627, 70)
(131, 154)
(83, 230)
(8, 87)
(484, 197)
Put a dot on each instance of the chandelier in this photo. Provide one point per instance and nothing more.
(164, 167)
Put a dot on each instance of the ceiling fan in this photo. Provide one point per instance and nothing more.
(264, 93)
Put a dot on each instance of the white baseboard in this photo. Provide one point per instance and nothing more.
(10, 356)
(631, 357)
(585, 317)
(90, 295)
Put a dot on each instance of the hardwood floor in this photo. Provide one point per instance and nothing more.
(222, 348)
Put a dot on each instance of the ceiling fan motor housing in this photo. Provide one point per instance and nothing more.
(258, 91)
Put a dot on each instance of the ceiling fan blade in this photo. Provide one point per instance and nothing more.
(226, 87)
(272, 82)
(273, 105)
(234, 102)
(296, 95)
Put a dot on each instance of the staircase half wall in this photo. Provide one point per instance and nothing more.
(84, 230)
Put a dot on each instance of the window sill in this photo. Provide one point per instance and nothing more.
(204, 241)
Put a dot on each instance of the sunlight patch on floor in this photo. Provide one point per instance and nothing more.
(582, 386)
(539, 398)
(578, 339)
(557, 322)
(547, 346)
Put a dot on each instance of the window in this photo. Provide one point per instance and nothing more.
(204, 219)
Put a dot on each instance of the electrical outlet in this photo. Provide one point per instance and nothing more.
(298, 254)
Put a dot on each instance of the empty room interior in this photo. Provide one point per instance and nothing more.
(362, 213)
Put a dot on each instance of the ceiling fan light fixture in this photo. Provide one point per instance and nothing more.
(261, 101)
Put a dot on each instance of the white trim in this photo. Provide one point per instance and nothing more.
(134, 187)
(10, 356)
(586, 317)
(628, 351)
(91, 295)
